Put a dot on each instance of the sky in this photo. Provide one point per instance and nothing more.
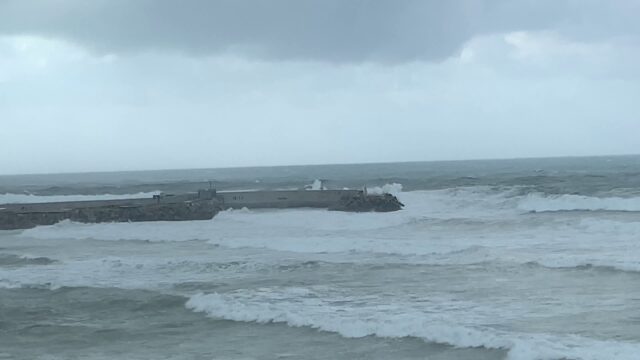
(108, 85)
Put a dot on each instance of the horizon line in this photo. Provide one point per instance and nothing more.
(315, 164)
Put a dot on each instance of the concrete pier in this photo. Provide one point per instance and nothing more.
(203, 205)
(198, 206)
(340, 200)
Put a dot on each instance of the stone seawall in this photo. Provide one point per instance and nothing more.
(203, 205)
(339, 200)
(197, 206)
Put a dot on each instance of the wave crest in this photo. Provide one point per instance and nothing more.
(393, 189)
(537, 202)
(351, 317)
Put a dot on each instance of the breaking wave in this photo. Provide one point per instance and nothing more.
(136, 273)
(139, 272)
(23, 260)
(393, 189)
(545, 203)
(354, 317)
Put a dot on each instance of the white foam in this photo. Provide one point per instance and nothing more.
(135, 272)
(306, 231)
(316, 185)
(566, 202)
(393, 189)
(9, 284)
(609, 227)
(352, 316)
(28, 198)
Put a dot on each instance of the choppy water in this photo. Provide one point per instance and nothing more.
(518, 259)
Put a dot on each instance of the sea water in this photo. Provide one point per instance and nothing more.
(513, 259)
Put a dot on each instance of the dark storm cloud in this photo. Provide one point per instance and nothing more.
(323, 30)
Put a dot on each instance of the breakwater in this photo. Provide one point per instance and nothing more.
(340, 200)
(203, 205)
(196, 206)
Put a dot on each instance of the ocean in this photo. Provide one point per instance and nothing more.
(501, 259)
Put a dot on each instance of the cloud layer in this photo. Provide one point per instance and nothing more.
(339, 31)
(142, 84)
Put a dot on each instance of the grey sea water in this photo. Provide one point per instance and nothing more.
(509, 259)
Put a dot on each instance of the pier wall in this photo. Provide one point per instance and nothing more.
(285, 198)
(199, 206)
(202, 205)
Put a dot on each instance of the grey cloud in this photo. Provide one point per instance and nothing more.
(323, 30)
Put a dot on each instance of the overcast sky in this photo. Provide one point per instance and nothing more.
(156, 84)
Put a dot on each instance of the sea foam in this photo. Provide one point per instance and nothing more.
(567, 202)
(352, 317)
